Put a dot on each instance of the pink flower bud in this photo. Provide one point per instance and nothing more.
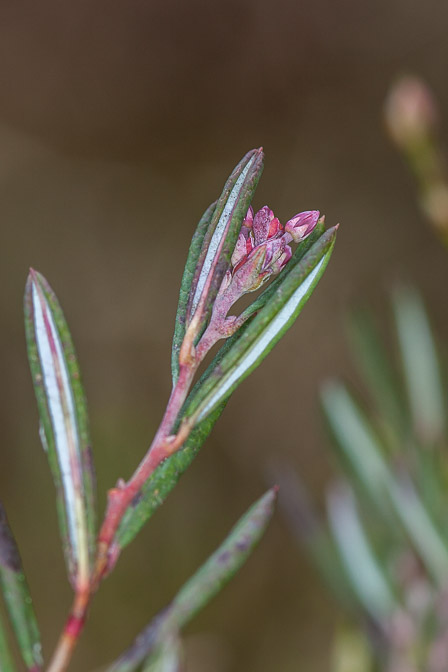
(301, 225)
(251, 273)
(410, 112)
(278, 253)
(249, 219)
(240, 250)
(261, 225)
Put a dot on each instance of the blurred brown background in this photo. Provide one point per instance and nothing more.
(119, 122)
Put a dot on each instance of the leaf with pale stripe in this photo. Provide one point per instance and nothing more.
(186, 286)
(64, 424)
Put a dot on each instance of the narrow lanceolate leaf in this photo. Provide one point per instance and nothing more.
(421, 367)
(64, 426)
(220, 238)
(157, 488)
(185, 288)
(18, 601)
(362, 567)
(203, 586)
(265, 329)
(6, 662)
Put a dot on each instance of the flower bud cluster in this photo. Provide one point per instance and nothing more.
(263, 248)
(261, 252)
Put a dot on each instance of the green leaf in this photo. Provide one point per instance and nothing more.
(186, 284)
(361, 452)
(359, 446)
(157, 488)
(203, 586)
(362, 567)
(421, 366)
(18, 600)
(221, 236)
(307, 527)
(166, 658)
(6, 662)
(64, 426)
(372, 359)
(428, 541)
(253, 344)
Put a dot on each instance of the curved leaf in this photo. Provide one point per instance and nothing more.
(18, 600)
(64, 427)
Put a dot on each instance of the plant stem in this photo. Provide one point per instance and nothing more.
(164, 444)
(72, 630)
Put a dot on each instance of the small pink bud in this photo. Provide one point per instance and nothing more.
(261, 225)
(274, 227)
(281, 262)
(240, 250)
(410, 111)
(250, 275)
(278, 253)
(249, 219)
(301, 225)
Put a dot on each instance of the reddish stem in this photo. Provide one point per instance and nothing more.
(71, 633)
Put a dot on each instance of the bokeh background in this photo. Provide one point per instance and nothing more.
(119, 123)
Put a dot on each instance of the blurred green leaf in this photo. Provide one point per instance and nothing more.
(266, 328)
(427, 540)
(166, 658)
(311, 533)
(361, 452)
(359, 447)
(157, 488)
(64, 425)
(381, 380)
(18, 601)
(351, 652)
(363, 569)
(420, 366)
(186, 286)
(203, 586)
(6, 662)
